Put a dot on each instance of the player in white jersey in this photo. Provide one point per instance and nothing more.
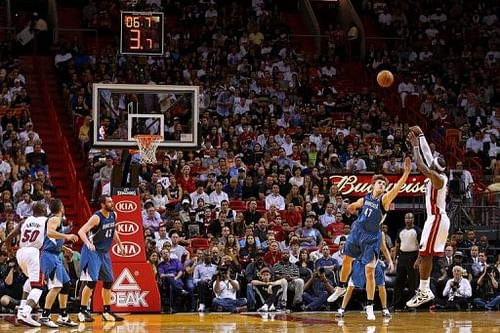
(32, 232)
(437, 223)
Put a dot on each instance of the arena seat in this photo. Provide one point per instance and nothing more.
(199, 243)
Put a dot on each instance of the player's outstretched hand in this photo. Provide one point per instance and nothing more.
(417, 130)
(412, 138)
(72, 238)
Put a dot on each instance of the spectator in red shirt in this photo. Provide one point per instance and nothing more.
(273, 256)
(186, 182)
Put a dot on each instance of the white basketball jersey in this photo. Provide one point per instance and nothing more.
(33, 232)
(435, 199)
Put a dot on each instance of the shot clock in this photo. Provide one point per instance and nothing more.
(141, 33)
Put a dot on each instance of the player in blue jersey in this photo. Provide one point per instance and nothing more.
(58, 280)
(358, 280)
(95, 263)
(365, 238)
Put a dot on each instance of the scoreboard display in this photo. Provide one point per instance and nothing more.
(142, 33)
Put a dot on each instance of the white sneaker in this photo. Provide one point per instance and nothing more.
(201, 307)
(369, 312)
(337, 293)
(66, 321)
(340, 313)
(386, 313)
(25, 317)
(46, 321)
(272, 308)
(263, 308)
(421, 297)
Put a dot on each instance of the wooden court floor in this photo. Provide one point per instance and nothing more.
(310, 322)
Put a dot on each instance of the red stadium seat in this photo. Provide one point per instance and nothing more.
(452, 137)
(199, 243)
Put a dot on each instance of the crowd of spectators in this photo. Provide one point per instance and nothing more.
(24, 176)
(448, 57)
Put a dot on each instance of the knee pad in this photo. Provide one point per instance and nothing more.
(91, 284)
(107, 284)
(65, 289)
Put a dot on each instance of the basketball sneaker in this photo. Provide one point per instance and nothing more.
(110, 316)
(337, 293)
(340, 313)
(24, 316)
(386, 313)
(85, 316)
(272, 308)
(369, 312)
(66, 321)
(263, 308)
(421, 297)
(46, 321)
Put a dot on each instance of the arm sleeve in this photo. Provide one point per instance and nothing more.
(425, 150)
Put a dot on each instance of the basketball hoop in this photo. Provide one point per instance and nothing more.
(147, 147)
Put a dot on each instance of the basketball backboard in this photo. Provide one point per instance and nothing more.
(121, 111)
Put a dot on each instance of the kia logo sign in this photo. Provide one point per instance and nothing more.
(126, 228)
(126, 206)
(130, 249)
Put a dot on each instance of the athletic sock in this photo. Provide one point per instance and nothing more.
(343, 284)
(83, 308)
(369, 302)
(23, 303)
(46, 313)
(424, 285)
(107, 308)
(64, 313)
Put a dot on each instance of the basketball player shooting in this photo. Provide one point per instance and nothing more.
(364, 240)
(436, 225)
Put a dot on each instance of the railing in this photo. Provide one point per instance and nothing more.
(311, 22)
(78, 199)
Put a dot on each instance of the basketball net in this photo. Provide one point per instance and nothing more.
(147, 147)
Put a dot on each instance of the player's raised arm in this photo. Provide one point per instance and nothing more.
(393, 193)
(422, 166)
(424, 149)
(91, 223)
(352, 208)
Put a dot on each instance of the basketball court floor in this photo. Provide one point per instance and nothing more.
(304, 322)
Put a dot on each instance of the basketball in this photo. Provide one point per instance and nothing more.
(385, 78)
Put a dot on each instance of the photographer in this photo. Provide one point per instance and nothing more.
(11, 282)
(225, 289)
(316, 290)
(488, 291)
(457, 290)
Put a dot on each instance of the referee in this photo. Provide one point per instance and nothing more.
(407, 245)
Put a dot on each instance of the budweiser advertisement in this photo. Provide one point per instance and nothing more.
(359, 185)
(129, 228)
(134, 289)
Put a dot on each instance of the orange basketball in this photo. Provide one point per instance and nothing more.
(385, 78)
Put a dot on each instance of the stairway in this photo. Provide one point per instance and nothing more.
(59, 164)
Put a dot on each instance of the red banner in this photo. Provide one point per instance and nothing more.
(360, 185)
(134, 289)
(129, 228)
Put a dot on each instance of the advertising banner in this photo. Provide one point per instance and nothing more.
(359, 185)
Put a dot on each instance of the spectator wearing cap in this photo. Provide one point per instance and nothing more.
(234, 171)
(233, 189)
(289, 275)
(355, 164)
(216, 197)
(275, 198)
(316, 290)
(225, 289)
(150, 217)
(266, 290)
(185, 210)
(388, 143)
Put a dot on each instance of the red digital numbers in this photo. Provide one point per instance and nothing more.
(142, 33)
(135, 41)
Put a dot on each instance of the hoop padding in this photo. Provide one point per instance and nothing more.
(147, 147)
